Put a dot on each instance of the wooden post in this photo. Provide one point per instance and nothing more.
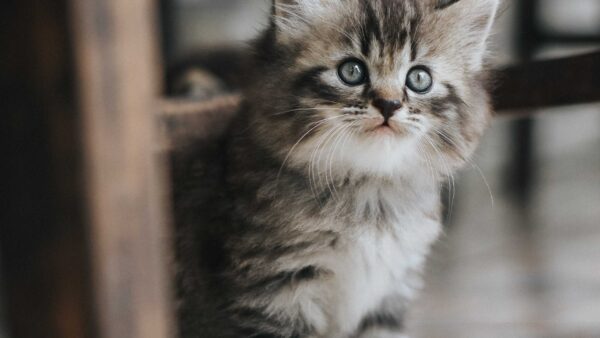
(116, 51)
(43, 236)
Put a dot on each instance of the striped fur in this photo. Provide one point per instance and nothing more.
(314, 216)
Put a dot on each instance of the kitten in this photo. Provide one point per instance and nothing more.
(315, 215)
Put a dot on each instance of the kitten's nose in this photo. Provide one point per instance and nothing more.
(387, 108)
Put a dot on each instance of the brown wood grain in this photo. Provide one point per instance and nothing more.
(116, 50)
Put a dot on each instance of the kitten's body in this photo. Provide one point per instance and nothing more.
(325, 268)
(311, 220)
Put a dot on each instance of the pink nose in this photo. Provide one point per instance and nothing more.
(387, 108)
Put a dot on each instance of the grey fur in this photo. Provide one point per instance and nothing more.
(285, 226)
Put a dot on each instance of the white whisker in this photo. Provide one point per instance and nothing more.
(306, 109)
(332, 136)
(341, 136)
(313, 169)
(485, 181)
(317, 125)
(450, 176)
(470, 162)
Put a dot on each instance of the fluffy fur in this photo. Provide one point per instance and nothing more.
(315, 215)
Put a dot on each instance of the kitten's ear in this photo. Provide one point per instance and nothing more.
(294, 16)
(469, 22)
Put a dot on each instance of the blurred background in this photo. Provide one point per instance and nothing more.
(521, 253)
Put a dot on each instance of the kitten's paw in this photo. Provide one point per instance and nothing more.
(382, 333)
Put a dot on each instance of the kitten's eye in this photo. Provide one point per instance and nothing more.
(419, 80)
(353, 72)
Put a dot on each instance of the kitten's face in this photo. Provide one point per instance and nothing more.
(376, 86)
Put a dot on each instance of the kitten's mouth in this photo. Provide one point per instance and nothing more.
(385, 128)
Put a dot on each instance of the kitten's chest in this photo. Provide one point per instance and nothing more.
(372, 268)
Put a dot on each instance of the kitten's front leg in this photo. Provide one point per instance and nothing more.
(282, 305)
(387, 323)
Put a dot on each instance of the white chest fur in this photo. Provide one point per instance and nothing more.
(375, 267)
(368, 269)
(371, 264)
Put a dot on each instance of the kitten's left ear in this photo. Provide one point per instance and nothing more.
(470, 23)
(292, 17)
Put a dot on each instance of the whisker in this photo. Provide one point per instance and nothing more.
(428, 163)
(332, 136)
(450, 139)
(306, 109)
(487, 184)
(318, 124)
(351, 132)
(312, 164)
(472, 163)
(446, 167)
(332, 152)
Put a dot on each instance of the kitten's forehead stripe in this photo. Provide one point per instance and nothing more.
(394, 14)
(414, 38)
(388, 24)
(371, 29)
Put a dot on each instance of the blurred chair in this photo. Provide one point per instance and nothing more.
(533, 34)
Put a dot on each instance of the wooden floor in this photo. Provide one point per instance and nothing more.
(522, 271)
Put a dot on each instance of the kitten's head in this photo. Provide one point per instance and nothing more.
(373, 86)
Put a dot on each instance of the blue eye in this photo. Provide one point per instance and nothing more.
(353, 72)
(419, 80)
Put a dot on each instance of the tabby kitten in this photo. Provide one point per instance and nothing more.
(314, 216)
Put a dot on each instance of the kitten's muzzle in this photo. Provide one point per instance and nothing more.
(387, 108)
